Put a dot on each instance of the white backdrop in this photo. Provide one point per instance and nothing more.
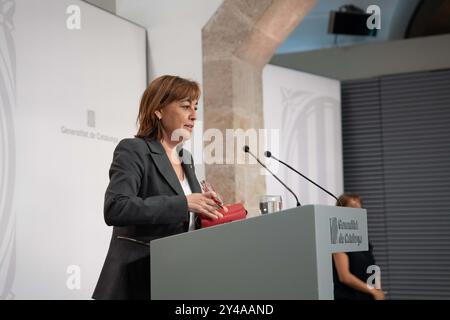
(306, 109)
(77, 94)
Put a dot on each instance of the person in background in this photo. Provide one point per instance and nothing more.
(153, 191)
(350, 268)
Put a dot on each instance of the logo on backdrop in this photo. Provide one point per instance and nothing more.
(73, 281)
(89, 134)
(345, 231)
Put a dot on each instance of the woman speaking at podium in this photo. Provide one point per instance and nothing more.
(350, 268)
(153, 191)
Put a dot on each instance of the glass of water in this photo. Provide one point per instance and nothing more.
(270, 204)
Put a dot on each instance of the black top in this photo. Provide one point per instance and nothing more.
(144, 201)
(358, 263)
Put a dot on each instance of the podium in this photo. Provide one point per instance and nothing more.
(285, 255)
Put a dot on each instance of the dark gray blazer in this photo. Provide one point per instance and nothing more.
(144, 201)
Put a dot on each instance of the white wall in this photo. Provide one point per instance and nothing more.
(306, 110)
(174, 40)
(69, 82)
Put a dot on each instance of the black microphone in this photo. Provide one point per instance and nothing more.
(268, 154)
(247, 150)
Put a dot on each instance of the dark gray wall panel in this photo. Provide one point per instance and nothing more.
(397, 156)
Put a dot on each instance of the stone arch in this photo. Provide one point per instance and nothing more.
(238, 41)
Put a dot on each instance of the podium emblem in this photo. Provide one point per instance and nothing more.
(333, 230)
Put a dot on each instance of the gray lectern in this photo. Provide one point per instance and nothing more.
(283, 255)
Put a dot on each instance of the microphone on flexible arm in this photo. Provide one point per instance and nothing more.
(268, 154)
(247, 150)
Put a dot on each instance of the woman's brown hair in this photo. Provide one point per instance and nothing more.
(345, 198)
(161, 92)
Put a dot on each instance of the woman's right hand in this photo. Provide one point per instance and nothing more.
(204, 205)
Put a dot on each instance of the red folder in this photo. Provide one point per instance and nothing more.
(236, 211)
